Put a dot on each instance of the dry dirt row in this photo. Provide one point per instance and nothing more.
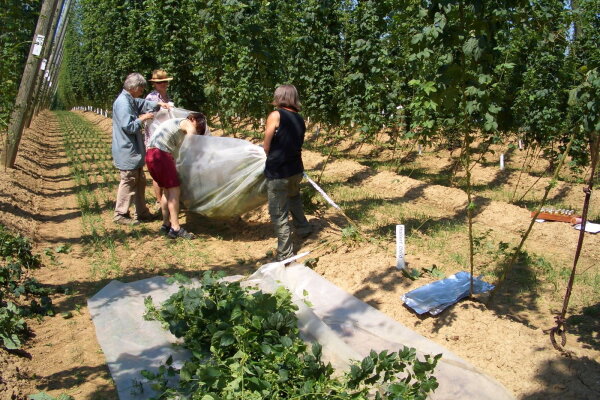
(507, 342)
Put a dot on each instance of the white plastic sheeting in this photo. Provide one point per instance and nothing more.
(220, 177)
(165, 114)
(346, 327)
(129, 343)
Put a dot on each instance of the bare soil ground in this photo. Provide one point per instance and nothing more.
(507, 340)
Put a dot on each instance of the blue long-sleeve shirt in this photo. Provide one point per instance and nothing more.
(128, 148)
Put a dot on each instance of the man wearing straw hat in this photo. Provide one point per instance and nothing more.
(128, 150)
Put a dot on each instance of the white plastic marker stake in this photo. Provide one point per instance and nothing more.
(520, 144)
(321, 192)
(502, 162)
(420, 149)
(400, 264)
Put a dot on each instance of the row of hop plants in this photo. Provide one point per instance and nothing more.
(421, 70)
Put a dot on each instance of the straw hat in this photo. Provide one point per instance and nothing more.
(160, 75)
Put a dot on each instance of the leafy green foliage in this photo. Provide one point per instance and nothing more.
(435, 272)
(17, 25)
(541, 101)
(16, 259)
(411, 273)
(586, 97)
(246, 345)
(351, 235)
(12, 326)
(17, 247)
(368, 67)
(461, 67)
(310, 51)
(454, 66)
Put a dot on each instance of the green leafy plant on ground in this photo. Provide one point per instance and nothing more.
(245, 344)
(20, 295)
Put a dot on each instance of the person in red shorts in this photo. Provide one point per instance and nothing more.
(162, 145)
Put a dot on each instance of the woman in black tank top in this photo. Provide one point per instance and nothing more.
(284, 137)
(284, 157)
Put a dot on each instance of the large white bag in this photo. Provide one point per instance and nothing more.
(220, 177)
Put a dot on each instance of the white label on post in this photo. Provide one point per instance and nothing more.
(37, 47)
(502, 161)
(43, 66)
(400, 264)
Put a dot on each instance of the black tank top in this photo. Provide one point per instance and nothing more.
(285, 156)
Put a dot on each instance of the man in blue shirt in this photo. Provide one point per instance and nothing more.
(128, 150)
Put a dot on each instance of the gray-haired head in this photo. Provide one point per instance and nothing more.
(133, 81)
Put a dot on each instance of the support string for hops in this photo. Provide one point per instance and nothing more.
(559, 329)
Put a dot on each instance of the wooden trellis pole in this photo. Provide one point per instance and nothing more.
(47, 56)
(54, 60)
(32, 69)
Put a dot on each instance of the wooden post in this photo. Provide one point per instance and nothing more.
(51, 39)
(52, 61)
(17, 120)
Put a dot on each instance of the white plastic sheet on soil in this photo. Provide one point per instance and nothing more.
(346, 327)
(220, 177)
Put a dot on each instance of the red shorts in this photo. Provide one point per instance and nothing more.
(161, 166)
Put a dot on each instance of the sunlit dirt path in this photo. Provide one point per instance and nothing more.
(65, 353)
